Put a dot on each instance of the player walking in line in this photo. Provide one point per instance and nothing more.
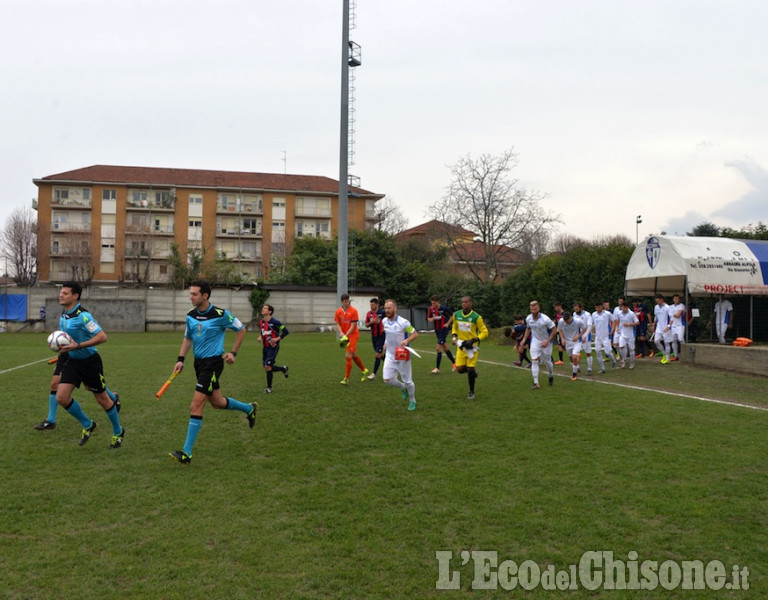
(346, 318)
(399, 333)
(518, 332)
(582, 315)
(204, 335)
(50, 421)
(641, 331)
(627, 323)
(272, 333)
(541, 330)
(442, 318)
(661, 335)
(571, 331)
(83, 365)
(373, 320)
(616, 331)
(468, 330)
(676, 326)
(602, 327)
(557, 308)
(723, 318)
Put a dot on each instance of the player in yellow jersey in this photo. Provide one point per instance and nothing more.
(468, 331)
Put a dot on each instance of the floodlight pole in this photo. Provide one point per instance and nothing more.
(342, 272)
(638, 220)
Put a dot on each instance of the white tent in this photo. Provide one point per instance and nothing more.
(698, 266)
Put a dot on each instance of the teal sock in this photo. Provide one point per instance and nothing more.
(112, 397)
(195, 423)
(233, 404)
(114, 418)
(53, 406)
(76, 411)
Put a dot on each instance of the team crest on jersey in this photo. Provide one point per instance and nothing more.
(653, 252)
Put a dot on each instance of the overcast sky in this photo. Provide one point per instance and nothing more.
(616, 109)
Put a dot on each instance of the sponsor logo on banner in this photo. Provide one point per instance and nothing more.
(653, 252)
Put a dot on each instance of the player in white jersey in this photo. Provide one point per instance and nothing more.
(571, 331)
(626, 325)
(723, 318)
(661, 335)
(579, 314)
(602, 328)
(616, 332)
(676, 326)
(541, 330)
(399, 333)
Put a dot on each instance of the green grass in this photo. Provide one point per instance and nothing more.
(342, 493)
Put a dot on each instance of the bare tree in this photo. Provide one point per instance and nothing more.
(389, 217)
(565, 242)
(484, 199)
(75, 250)
(19, 238)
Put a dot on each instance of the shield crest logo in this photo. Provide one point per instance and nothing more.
(653, 252)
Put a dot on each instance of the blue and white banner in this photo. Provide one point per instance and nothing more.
(663, 264)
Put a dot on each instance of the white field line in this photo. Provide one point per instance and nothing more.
(4, 371)
(635, 387)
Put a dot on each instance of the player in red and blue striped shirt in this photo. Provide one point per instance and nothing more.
(442, 317)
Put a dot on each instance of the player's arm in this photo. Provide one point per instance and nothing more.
(449, 322)
(482, 330)
(186, 344)
(230, 356)
(412, 335)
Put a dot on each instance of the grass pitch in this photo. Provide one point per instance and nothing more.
(342, 493)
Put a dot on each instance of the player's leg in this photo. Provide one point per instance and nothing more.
(439, 350)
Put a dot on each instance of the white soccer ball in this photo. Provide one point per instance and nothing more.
(58, 339)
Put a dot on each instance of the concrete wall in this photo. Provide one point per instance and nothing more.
(753, 360)
(120, 309)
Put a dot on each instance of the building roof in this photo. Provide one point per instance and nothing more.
(475, 252)
(435, 228)
(201, 178)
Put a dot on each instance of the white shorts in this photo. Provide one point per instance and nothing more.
(627, 341)
(616, 337)
(678, 332)
(666, 336)
(538, 352)
(603, 343)
(573, 348)
(393, 368)
(587, 346)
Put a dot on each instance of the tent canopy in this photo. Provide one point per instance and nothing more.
(710, 265)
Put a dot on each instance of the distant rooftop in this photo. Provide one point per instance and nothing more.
(201, 178)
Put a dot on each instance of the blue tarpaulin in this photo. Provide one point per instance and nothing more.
(13, 307)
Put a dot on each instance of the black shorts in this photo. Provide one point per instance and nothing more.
(88, 371)
(63, 356)
(207, 372)
(441, 334)
(378, 343)
(269, 355)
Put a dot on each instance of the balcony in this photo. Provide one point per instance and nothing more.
(238, 232)
(157, 202)
(252, 208)
(58, 226)
(313, 212)
(79, 203)
(149, 229)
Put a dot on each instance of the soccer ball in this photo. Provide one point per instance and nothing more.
(58, 339)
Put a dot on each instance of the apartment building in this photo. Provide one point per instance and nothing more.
(116, 224)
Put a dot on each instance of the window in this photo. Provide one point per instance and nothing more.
(55, 247)
(195, 224)
(61, 194)
(195, 198)
(109, 194)
(140, 197)
(87, 194)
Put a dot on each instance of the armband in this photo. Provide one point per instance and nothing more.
(233, 353)
(180, 359)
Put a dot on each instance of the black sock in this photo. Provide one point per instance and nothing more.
(269, 379)
(278, 369)
(472, 375)
(438, 359)
(450, 356)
